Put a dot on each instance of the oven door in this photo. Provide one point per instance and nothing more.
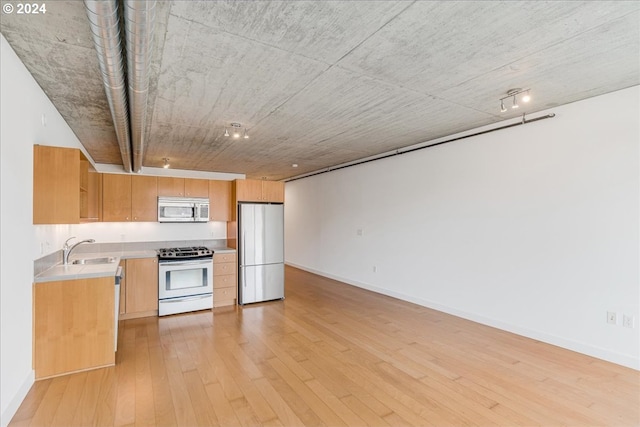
(178, 279)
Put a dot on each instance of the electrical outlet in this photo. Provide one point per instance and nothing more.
(359, 232)
(375, 269)
(628, 321)
(612, 318)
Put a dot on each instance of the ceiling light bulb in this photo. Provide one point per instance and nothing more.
(226, 132)
(236, 134)
(246, 135)
(515, 102)
(502, 107)
(526, 97)
(166, 163)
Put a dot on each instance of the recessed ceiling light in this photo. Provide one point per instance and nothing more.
(295, 165)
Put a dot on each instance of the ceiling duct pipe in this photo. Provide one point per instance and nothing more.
(105, 28)
(139, 19)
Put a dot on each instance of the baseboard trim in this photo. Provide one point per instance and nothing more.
(566, 343)
(15, 403)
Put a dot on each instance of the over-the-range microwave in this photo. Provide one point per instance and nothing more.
(182, 209)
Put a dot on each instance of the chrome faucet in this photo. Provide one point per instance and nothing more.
(66, 249)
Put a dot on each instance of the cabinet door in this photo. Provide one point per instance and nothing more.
(116, 198)
(56, 185)
(144, 198)
(142, 286)
(196, 187)
(220, 200)
(248, 190)
(170, 187)
(73, 325)
(273, 191)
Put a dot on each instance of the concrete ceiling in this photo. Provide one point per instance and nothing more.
(322, 83)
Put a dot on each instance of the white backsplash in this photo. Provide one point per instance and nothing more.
(50, 238)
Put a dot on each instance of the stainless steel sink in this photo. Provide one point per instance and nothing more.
(103, 260)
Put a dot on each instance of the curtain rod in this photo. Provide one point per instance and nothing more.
(411, 150)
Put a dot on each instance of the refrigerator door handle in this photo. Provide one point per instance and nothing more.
(243, 258)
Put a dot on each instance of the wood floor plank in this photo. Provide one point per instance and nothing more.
(69, 402)
(222, 407)
(43, 415)
(329, 355)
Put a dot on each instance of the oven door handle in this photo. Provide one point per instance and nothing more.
(185, 299)
(202, 261)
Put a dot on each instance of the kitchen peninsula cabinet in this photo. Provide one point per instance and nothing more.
(141, 289)
(225, 284)
(182, 187)
(220, 201)
(74, 326)
(60, 185)
(253, 190)
(129, 198)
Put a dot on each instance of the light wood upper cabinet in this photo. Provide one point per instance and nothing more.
(116, 198)
(129, 198)
(253, 190)
(273, 191)
(196, 187)
(141, 296)
(144, 198)
(182, 187)
(220, 200)
(170, 187)
(57, 185)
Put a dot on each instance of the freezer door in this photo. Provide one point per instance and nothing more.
(261, 283)
(261, 234)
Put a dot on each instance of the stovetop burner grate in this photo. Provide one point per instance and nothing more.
(189, 252)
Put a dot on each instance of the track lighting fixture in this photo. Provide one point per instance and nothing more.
(235, 131)
(513, 93)
(166, 163)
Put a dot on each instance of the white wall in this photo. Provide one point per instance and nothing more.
(533, 229)
(22, 105)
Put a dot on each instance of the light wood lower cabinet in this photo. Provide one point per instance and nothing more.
(73, 323)
(225, 283)
(140, 289)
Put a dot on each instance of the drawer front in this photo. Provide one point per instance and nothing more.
(225, 281)
(224, 269)
(227, 257)
(223, 295)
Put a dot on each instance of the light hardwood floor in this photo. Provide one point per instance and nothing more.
(334, 355)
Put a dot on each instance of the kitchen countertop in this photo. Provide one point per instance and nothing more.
(91, 271)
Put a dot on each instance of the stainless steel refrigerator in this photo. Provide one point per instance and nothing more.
(261, 252)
